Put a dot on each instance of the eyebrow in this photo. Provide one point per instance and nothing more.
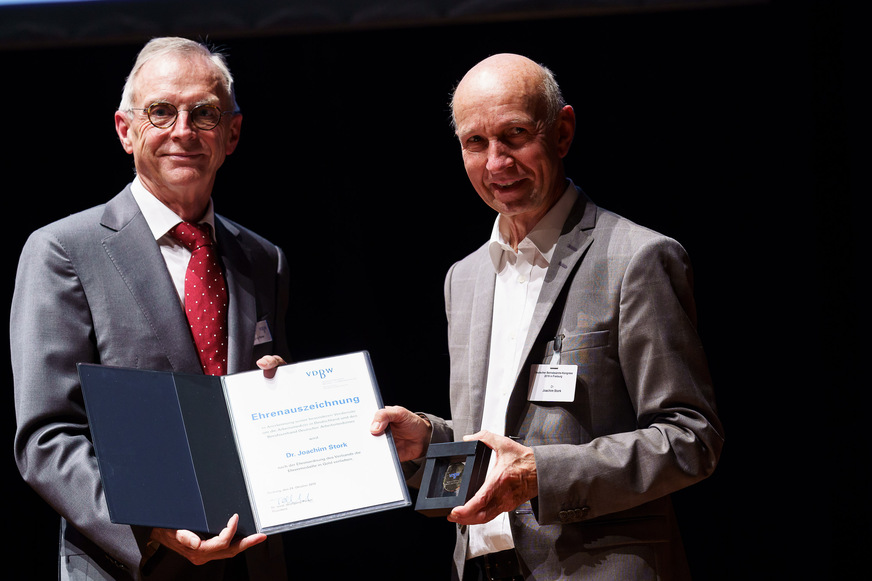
(215, 102)
(516, 122)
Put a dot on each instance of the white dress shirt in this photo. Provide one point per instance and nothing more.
(160, 221)
(519, 277)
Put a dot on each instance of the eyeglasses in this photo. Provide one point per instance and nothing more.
(163, 115)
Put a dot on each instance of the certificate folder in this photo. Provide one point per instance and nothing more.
(187, 451)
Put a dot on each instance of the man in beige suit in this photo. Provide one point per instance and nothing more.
(579, 483)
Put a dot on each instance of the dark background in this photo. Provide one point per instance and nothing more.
(729, 126)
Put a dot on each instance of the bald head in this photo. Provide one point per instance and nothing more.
(511, 74)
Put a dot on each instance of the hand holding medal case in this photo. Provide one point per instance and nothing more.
(453, 473)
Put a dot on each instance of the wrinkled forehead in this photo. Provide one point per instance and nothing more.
(180, 79)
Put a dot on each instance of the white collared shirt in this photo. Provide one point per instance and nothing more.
(160, 221)
(519, 278)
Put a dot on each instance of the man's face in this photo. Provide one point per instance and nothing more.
(178, 164)
(512, 159)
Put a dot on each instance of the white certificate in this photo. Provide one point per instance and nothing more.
(305, 446)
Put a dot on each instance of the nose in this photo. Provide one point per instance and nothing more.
(499, 156)
(183, 127)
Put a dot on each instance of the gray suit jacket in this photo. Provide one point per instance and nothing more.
(94, 287)
(643, 422)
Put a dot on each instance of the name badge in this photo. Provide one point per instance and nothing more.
(552, 382)
(261, 333)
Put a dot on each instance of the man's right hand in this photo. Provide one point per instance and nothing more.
(411, 432)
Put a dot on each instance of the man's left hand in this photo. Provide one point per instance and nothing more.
(510, 482)
(199, 551)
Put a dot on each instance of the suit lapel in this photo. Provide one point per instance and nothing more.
(480, 338)
(242, 311)
(571, 246)
(137, 258)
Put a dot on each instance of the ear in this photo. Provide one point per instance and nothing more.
(122, 128)
(233, 133)
(565, 130)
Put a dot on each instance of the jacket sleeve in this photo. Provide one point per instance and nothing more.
(51, 331)
(658, 376)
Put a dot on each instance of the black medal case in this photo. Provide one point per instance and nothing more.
(453, 473)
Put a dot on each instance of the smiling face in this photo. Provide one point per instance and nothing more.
(178, 164)
(512, 156)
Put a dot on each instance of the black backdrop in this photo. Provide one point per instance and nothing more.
(727, 128)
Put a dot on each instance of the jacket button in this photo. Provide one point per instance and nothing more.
(573, 515)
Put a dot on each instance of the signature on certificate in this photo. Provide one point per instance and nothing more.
(292, 499)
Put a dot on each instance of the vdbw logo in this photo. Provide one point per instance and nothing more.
(320, 372)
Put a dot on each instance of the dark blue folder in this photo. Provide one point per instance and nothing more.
(165, 447)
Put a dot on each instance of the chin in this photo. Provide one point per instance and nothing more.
(184, 176)
(514, 201)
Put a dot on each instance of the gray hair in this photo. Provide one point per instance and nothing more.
(550, 93)
(170, 45)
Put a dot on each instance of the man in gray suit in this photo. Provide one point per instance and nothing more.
(108, 286)
(574, 356)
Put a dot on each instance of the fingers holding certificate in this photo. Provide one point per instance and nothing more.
(411, 432)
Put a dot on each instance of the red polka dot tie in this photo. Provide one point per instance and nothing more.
(205, 297)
